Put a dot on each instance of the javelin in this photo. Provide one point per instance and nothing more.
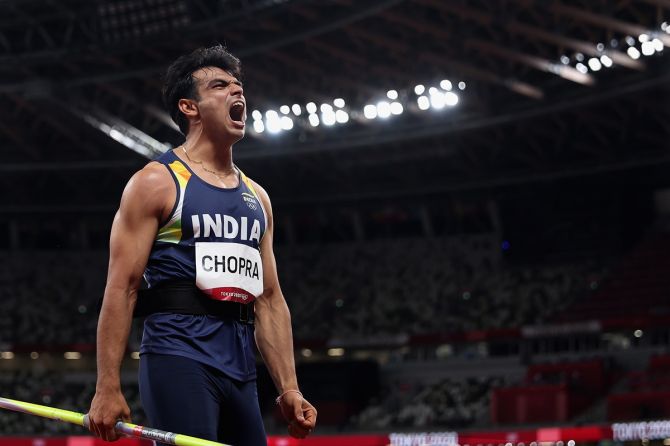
(128, 429)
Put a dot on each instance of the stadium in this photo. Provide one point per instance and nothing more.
(471, 204)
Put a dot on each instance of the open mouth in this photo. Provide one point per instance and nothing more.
(237, 112)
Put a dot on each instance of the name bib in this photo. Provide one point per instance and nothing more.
(228, 271)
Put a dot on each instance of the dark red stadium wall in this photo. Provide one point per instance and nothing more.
(552, 393)
(536, 404)
(638, 406)
(647, 395)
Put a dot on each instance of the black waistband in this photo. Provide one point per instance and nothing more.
(185, 298)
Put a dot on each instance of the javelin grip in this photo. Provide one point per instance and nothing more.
(128, 429)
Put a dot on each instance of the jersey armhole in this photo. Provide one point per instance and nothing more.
(251, 187)
(176, 201)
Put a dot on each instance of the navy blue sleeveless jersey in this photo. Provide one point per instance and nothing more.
(209, 220)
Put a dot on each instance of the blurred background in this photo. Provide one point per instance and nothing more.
(472, 206)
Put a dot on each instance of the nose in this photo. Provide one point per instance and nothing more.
(237, 90)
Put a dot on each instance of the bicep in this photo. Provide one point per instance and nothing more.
(132, 236)
(270, 276)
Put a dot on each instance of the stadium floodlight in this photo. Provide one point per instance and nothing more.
(633, 52)
(643, 38)
(582, 68)
(594, 64)
(658, 45)
(600, 47)
(329, 113)
(648, 48)
(335, 352)
(286, 123)
(606, 60)
(630, 41)
(328, 117)
(579, 57)
(274, 126)
(437, 101)
(383, 109)
(272, 121)
(396, 108)
(565, 59)
(370, 111)
(423, 102)
(341, 116)
(664, 26)
(450, 98)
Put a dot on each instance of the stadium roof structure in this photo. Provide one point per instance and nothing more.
(490, 92)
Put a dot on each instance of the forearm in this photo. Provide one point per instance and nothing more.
(112, 336)
(274, 338)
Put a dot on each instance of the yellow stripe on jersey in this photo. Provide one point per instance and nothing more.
(250, 185)
(171, 231)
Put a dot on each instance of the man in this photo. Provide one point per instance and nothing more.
(200, 234)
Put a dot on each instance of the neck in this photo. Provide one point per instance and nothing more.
(217, 155)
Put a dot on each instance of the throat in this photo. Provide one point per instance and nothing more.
(228, 176)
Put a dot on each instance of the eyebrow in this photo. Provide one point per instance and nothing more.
(225, 81)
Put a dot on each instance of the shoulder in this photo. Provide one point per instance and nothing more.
(151, 186)
(262, 193)
(150, 178)
(260, 189)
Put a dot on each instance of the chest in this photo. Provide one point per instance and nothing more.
(222, 215)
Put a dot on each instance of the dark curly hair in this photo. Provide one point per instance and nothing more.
(179, 82)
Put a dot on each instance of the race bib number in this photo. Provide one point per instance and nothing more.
(228, 271)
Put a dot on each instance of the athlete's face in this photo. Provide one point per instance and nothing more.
(221, 106)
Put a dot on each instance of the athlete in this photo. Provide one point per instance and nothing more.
(197, 234)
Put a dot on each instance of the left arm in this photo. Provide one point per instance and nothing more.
(274, 336)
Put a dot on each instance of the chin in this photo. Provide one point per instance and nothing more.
(236, 135)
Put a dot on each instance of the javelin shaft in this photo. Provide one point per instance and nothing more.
(129, 429)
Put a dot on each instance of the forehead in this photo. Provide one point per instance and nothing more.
(206, 74)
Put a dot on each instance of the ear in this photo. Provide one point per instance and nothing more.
(189, 108)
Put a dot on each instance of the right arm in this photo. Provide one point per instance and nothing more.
(143, 206)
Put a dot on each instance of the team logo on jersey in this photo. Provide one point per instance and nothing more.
(250, 200)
